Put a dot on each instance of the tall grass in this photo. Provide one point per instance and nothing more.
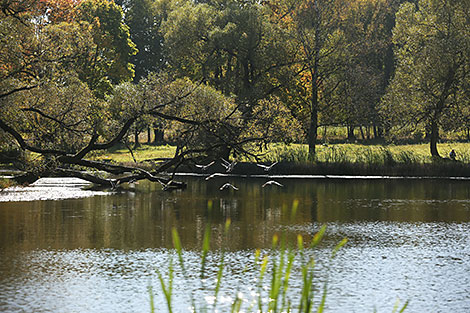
(274, 269)
(364, 154)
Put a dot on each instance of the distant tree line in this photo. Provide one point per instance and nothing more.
(227, 76)
(397, 68)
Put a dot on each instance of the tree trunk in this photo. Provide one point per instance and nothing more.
(312, 134)
(351, 136)
(434, 139)
(313, 127)
(362, 133)
(378, 132)
(158, 136)
(136, 139)
(149, 136)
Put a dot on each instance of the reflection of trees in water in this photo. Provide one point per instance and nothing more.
(229, 208)
(144, 219)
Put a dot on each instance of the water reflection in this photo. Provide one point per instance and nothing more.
(407, 239)
(143, 218)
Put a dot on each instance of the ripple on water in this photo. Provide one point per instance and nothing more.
(426, 263)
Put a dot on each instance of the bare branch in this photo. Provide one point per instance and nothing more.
(67, 127)
(92, 146)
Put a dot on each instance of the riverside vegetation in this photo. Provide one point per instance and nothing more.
(274, 270)
(224, 78)
(333, 159)
(219, 78)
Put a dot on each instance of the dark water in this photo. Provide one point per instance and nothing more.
(408, 240)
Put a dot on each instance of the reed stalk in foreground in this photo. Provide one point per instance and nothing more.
(279, 266)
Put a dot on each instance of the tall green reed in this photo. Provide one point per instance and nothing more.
(275, 268)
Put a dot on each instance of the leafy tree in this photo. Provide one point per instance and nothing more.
(144, 18)
(229, 44)
(33, 53)
(360, 84)
(433, 53)
(126, 101)
(56, 11)
(319, 44)
(109, 61)
(64, 129)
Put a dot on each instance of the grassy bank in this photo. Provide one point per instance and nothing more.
(144, 152)
(337, 159)
(335, 153)
(357, 153)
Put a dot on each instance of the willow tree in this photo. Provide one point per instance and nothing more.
(232, 45)
(432, 42)
(48, 110)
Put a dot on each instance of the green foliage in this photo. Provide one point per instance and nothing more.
(5, 183)
(216, 115)
(233, 47)
(431, 81)
(248, 72)
(357, 86)
(314, 29)
(272, 120)
(60, 114)
(356, 154)
(144, 18)
(108, 62)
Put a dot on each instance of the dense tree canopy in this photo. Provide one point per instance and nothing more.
(433, 51)
(223, 78)
(109, 61)
(144, 19)
(315, 31)
(233, 47)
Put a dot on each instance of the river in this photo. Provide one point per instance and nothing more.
(64, 249)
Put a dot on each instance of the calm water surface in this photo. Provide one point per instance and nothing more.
(98, 252)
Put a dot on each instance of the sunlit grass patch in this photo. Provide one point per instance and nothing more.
(365, 154)
(144, 152)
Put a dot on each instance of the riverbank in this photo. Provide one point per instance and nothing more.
(339, 159)
(325, 153)
(351, 160)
